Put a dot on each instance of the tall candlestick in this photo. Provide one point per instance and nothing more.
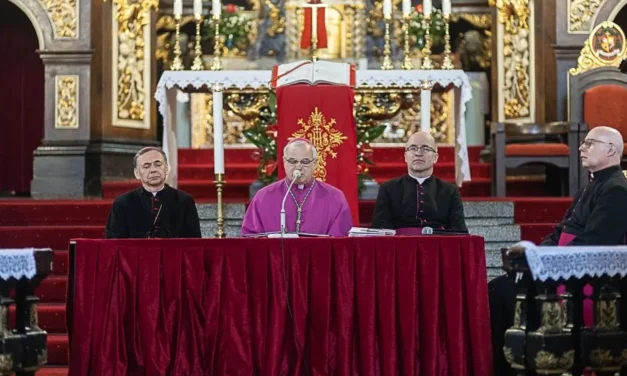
(387, 9)
(406, 7)
(197, 8)
(216, 8)
(407, 64)
(426, 51)
(447, 63)
(446, 7)
(387, 50)
(216, 65)
(218, 131)
(425, 105)
(178, 8)
(426, 7)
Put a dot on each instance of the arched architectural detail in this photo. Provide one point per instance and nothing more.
(39, 18)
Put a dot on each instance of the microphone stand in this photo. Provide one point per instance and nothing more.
(297, 174)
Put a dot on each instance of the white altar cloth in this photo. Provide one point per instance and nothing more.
(202, 81)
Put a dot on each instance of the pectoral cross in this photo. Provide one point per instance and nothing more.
(298, 216)
(314, 35)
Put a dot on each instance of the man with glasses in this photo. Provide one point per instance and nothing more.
(597, 216)
(311, 206)
(419, 199)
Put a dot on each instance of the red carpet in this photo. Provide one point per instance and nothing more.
(52, 223)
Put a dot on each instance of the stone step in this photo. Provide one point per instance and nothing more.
(488, 209)
(229, 211)
(505, 233)
(491, 221)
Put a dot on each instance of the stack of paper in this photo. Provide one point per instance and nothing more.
(362, 231)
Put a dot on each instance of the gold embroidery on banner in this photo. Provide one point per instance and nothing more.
(66, 98)
(64, 16)
(323, 136)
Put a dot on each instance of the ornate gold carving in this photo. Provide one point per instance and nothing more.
(547, 361)
(553, 317)
(34, 318)
(601, 358)
(514, 15)
(517, 313)
(133, 73)
(607, 314)
(277, 21)
(580, 13)
(42, 357)
(323, 136)
(66, 102)
(596, 53)
(623, 358)
(64, 16)
(480, 20)
(509, 355)
(6, 363)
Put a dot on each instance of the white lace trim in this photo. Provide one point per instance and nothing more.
(261, 78)
(568, 262)
(17, 263)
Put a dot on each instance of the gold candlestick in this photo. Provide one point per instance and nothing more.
(198, 65)
(426, 51)
(219, 187)
(407, 60)
(447, 63)
(314, 48)
(177, 63)
(387, 51)
(217, 53)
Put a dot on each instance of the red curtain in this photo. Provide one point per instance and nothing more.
(323, 114)
(361, 306)
(21, 98)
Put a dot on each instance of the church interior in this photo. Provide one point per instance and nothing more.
(513, 88)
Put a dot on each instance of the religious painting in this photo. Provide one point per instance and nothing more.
(608, 42)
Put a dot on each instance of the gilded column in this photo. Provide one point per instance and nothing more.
(515, 46)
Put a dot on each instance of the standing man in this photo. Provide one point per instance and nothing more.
(154, 210)
(419, 199)
(311, 206)
(595, 217)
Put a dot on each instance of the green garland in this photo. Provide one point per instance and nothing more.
(417, 29)
(263, 135)
(235, 29)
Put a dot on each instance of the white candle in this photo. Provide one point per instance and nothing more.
(387, 9)
(406, 7)
(197, 8)
(218, 133)
(426, 7)
(446, 7)
(178, 8)
(425, 110)
(314, 24)
(216, 8)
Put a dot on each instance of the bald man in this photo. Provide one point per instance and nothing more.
(597, 216)
(311, 207)
(419, 199)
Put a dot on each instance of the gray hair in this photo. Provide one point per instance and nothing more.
(301, 143)
(146, 150)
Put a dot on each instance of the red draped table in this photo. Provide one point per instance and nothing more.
(357, 306)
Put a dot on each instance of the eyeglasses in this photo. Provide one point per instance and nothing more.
(587, 144)
(294, 162)
(423, 149)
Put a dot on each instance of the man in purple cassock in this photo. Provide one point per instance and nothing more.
(311, 207)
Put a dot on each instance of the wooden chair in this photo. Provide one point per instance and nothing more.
(562, 151)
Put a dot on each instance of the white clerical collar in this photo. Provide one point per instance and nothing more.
(420, 180)
(301, 186)
(154, 194)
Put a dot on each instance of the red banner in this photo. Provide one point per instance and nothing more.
(305, 41)
(323, 114)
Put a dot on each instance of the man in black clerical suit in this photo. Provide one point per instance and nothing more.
(597, 216)
(154, 210)
(419, 199)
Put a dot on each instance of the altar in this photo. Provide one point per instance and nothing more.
(367, 81)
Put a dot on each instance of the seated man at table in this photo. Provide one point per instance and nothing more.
(312, 206)
(419, 199)
(154, 210)
(595, 217)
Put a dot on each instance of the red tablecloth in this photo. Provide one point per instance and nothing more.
(361, 306)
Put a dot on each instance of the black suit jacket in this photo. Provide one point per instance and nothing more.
(132, 215)
(397, 205)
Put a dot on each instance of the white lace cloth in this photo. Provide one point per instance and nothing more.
(575, 262)
(196, 81)
(17, 263)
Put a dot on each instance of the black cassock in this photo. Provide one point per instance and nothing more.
(403, 202)
(140, 214)
(597, 216)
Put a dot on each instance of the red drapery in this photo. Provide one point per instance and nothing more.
(21, 98)
(323, 114)
(365, 306)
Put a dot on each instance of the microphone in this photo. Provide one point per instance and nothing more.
(427, 231)
(297, 174)
(154, 223)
